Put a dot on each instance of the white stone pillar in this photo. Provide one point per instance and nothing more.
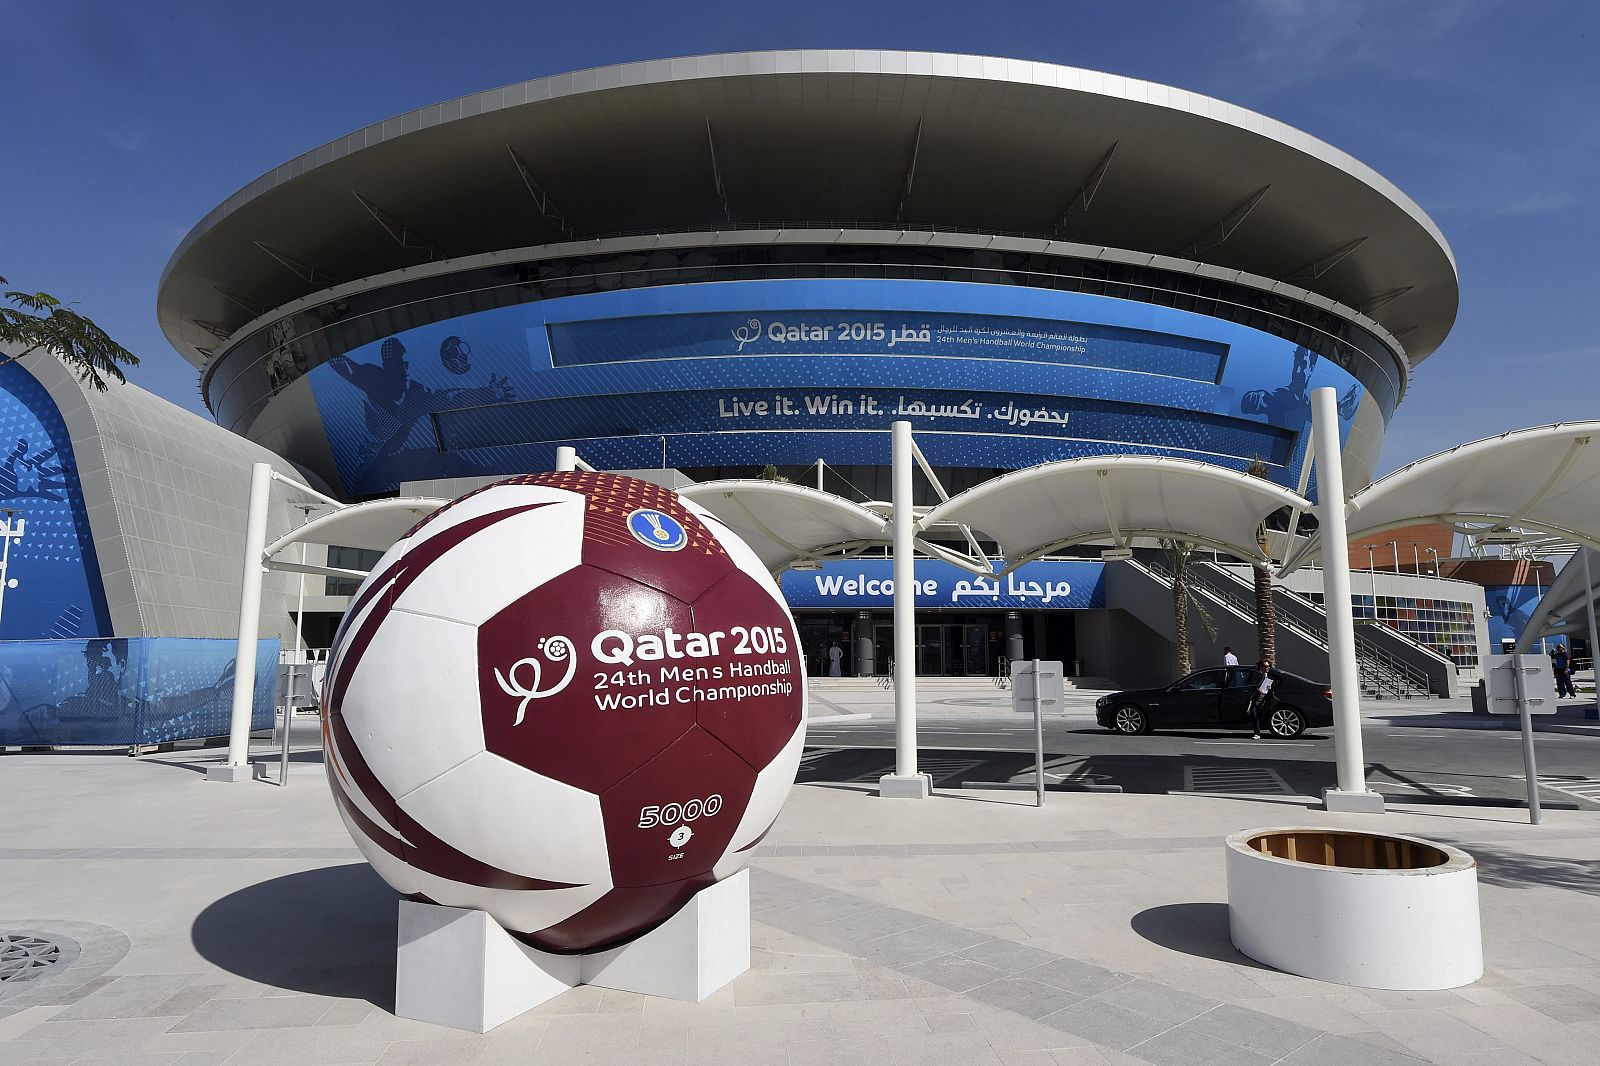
(237, 766)
(905, 782)
(1352, 794)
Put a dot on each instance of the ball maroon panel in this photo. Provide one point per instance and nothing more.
(755, 707)
(644, 531)
(570, 677)
(675, 816)
(620, 915)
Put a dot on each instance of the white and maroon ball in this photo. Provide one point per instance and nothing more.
(571, 700)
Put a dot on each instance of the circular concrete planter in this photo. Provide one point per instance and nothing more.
(1376, 911)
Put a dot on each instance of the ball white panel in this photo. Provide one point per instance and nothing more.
(414, 724)
(516, 820)
(500, 564)
(766, 800)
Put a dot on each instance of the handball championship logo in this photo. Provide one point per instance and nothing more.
(657, 529)
(555, 650)
(748, 332)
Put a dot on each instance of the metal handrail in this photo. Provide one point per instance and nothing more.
(1377, 666)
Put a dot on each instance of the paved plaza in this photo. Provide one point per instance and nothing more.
(205, 923)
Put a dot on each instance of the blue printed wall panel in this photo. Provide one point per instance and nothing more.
(57, 591)
(145, 690)
(789, 371)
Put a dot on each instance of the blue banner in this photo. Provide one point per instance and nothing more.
(855, 332)
(1058, 585)
(113, 691)
(757, 372)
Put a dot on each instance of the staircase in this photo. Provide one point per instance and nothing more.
(1383, 675)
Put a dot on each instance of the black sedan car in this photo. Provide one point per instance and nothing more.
(1217, 698)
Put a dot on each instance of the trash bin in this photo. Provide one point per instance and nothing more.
(1077, 668)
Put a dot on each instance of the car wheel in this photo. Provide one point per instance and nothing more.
(1129, 720)
(1286, 722)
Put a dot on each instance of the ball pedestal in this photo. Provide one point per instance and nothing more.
(459, 968)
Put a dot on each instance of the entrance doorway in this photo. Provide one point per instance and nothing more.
(948, 649)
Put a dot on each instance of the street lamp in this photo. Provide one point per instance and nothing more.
(1394, 546)
(12, 529)
(1416, 565)
(1372, 581)
(1435, 553)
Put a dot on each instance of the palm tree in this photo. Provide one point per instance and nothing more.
(1266, 610)
(40, 322)
(1179, 553)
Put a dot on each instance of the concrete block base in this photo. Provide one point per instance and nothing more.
(1351, 802)
(457, 967)
(224, 772)
(911, 786)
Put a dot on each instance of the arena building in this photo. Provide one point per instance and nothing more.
(751, 264)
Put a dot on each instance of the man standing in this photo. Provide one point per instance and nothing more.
(1561, 666)
(1261, 698)
(1228, 658)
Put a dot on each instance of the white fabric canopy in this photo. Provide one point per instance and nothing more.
(1545, 479)
(1047, 508)
(376, 524)
(784, 522)
(1564, 608)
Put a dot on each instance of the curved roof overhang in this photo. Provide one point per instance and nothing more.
(1048, 508)
(900, 140)
(375, 525)
(646, 246)
(1545, 480)
(1564, 608)
(786, 523)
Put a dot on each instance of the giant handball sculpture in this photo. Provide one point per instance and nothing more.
(570, 700)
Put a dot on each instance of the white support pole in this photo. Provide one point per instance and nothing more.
(1594, 643)
(566, 458)
(236, 768)
(1352, 794)
(905, 782)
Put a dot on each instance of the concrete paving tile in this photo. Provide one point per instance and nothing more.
(1008, 955)
(85, 1036)
(1519, 954)
(1496, 1056)
(1431, 1034)
(1323, 1013)
(1024, 996)
(1182, 1046)
(431, 1053)
(1081, 978)
(1564, 1003)
(1102, 1023)
(179, 1043)
(1219, 982)
(1393, 999)
(15, 1026)
(1161, 1002)
(1007, 1032)
(1252, 1030)
(282, 1012)
(756, 989)
(1331, 1050)
(953, 972)
(347, 1012)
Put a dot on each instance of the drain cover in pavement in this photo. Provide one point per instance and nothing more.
(24, 957)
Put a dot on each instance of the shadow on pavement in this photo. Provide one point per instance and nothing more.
(1198, 929)
(1509, 869)
(330, 932)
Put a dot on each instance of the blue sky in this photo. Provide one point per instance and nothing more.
(127, 122)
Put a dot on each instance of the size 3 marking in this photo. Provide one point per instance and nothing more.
(673, 813)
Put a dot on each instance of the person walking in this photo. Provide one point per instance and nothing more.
(1561, 666)
(1228, 658)
(1261, 698)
